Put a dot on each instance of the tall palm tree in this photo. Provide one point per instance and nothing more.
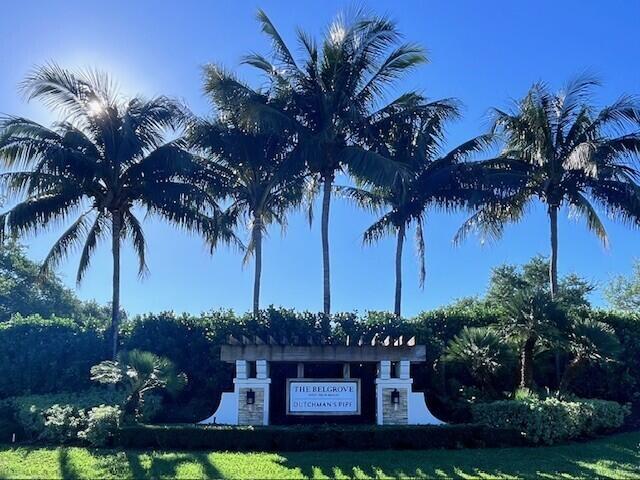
(561, 150)
(329, 94)
(429, 178)
(256, 170)
(106, 159)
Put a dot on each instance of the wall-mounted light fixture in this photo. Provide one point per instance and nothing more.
(395, 398)
(251, 397)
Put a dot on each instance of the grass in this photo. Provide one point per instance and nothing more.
(613, 457)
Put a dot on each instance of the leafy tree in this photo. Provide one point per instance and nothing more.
(139, 373)
(589, 342)
(508, 280)
(623, 293)
(107, 158)
(561, 150)
(429, 178)
(329, 95)
(255, 170)
(481, 351)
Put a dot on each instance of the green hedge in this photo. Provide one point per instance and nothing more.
(39, 356)
(305, 437)
(552, 420)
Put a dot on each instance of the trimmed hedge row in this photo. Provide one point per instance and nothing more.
(303, 437)
(552, 420)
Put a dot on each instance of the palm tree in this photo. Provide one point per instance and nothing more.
(106, 159)
(430, 177)
(531, 316)
(561, 150)
(139, 372)
(257, 172)
(589, 342)
(329, 94)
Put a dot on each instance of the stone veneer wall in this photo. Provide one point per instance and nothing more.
(250, 414)
(391, 416)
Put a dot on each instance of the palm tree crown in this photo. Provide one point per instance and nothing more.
(256, 171)
(429, 176)
(106, 159)
(561, 150)
(329, 95)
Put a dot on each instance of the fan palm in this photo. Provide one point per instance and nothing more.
(530, 317)
(561, 150)
(256, 171)
(412, 137)
(107, 158)
(589, 342)
(329, 94)
(140, 373)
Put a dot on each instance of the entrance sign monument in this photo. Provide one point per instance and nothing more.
(369, 381)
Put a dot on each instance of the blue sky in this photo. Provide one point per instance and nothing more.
(483, 53)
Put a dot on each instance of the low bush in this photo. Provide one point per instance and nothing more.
(55, 417)
(309, 437)
(102, 424)
(552, 420)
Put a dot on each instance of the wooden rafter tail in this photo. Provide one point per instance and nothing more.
(271, 340)
(246, 340)
(258, 341)
(231, 340)
(387, 341)
(374, 340)
(411, 342)
(361, 341)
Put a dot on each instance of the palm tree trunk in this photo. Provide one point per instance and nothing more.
(553, 264)
(526, 363)
(400, 244)
(257, 244)
(553, 272)
(116, 227)
(326, 203)
(569, 374)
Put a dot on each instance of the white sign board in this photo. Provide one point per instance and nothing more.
(323, 396)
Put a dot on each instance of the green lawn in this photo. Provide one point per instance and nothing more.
(613, 457)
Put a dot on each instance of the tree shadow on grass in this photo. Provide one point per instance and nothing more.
(603, 459)
(67, 469)
(167, 464)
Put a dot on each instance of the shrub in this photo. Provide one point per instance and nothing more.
(62, 424)
(39, 356)
(102, 423)
(552, 420)
(28, 415)
(314, 437)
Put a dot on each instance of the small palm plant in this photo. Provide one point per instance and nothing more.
(329, 94)
(481, 351)
(107, 160)
(531, 317)
(589, 342)
(562, 151)
(139, 373)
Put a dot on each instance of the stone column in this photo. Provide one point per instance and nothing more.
(388, 412)
(258, 387)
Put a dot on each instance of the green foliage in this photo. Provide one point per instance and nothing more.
(552, 420)
(25, 291)
(508, 281)
(623, 293)
(315, 437)
(139, 373)
(482, 352)
(57, 416)
(101, 426)
(47, 355)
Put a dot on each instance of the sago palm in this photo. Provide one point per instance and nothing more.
(107, 159)
(430, 177)
(561, 150)
(329, 94)
(256, 172)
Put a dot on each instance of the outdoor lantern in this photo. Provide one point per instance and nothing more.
(395, 398)
(251, 397)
